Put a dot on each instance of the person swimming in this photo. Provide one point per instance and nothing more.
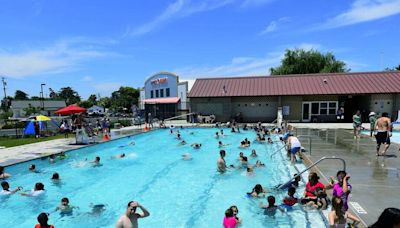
(259, 164)
(270, 210)
(65, 208)
(32, 168)
(183, 142)
(257, 192)
(96, 162)
(52, 158)
(56, 177)
(62, 155)
(253, 153)
(36, 191)
(6, 189)
(196, 145)
(3, 174)
(118, 156)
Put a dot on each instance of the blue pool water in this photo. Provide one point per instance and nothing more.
(177, 193)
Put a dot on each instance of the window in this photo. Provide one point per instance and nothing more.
(323, 108)
(327, 108)
(332, 108)
(315, 108)
(152, 94)
(161, 92)
(157, 93)
(167, 92)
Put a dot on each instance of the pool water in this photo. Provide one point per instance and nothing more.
(176, 192)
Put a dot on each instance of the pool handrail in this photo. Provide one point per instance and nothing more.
(312, 165)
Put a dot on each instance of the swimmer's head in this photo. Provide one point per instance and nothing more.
(271, 200)
(39, 186)
(222, 153)
(32, 167)
(122, 155)
(97, 159)
(55, 176)
(5, 185)
(65, 201)
(42, 219)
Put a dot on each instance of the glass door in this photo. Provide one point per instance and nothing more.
(306, 117)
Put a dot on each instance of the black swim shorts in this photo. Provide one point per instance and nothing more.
(382, 137)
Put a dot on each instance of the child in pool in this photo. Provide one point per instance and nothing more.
(64, 207)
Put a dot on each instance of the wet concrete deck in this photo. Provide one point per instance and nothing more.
(375, 180)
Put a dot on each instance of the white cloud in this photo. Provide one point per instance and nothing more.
(273, 25)
(252, 3)
(241, 66)
(107, 87)
(238, 66)
(363, 11)
(177, 9)
(87, 79)
(62, 56)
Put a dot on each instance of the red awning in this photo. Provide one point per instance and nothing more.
(168, 100)
(71, 109)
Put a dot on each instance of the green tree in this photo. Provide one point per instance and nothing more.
(52, 94)
(31, 110)
(6, 103)
(85, 104)
(105, 102)
(69, 95)
(92, 99)
(300, 61)
(20, 95)
(124, 97)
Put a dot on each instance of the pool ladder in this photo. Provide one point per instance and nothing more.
(314, 164)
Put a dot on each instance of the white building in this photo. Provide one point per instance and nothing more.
(164, 96)
(95, 109)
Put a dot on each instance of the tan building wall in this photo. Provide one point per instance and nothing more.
(220, 107)
(294, 103)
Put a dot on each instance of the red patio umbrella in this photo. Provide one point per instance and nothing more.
(70, 109)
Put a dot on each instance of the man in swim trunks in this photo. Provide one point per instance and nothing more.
(129, 219)
(383, 133)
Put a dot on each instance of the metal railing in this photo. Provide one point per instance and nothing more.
(314, 164)
(309, 137)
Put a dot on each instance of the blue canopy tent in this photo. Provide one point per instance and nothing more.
(30, 129)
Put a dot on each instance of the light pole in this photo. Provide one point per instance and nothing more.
(41, 89)
(5, 94)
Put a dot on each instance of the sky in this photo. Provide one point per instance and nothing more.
(97, 46)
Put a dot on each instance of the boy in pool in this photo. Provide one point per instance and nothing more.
(64, 206)
(270, 210)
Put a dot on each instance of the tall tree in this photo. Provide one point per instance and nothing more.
(105, 102)
(20, 95)
(92, 99)
(125, 97)
(300, 61)
(69, 95)
(52, 94)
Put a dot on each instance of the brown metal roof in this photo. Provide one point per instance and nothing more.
(304, 84)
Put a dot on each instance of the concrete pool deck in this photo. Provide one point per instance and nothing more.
(375, 180)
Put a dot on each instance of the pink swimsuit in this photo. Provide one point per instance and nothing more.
(229, 222)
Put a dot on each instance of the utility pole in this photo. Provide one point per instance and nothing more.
(41, 88)
(5, 94)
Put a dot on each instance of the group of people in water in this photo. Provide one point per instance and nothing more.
(128, 219)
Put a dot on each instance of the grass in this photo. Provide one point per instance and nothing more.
(11, 142)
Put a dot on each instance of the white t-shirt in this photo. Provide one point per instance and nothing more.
(4, 192)
(36, 193)
(294, 142)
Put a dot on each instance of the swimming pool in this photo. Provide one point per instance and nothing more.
(177, 193)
